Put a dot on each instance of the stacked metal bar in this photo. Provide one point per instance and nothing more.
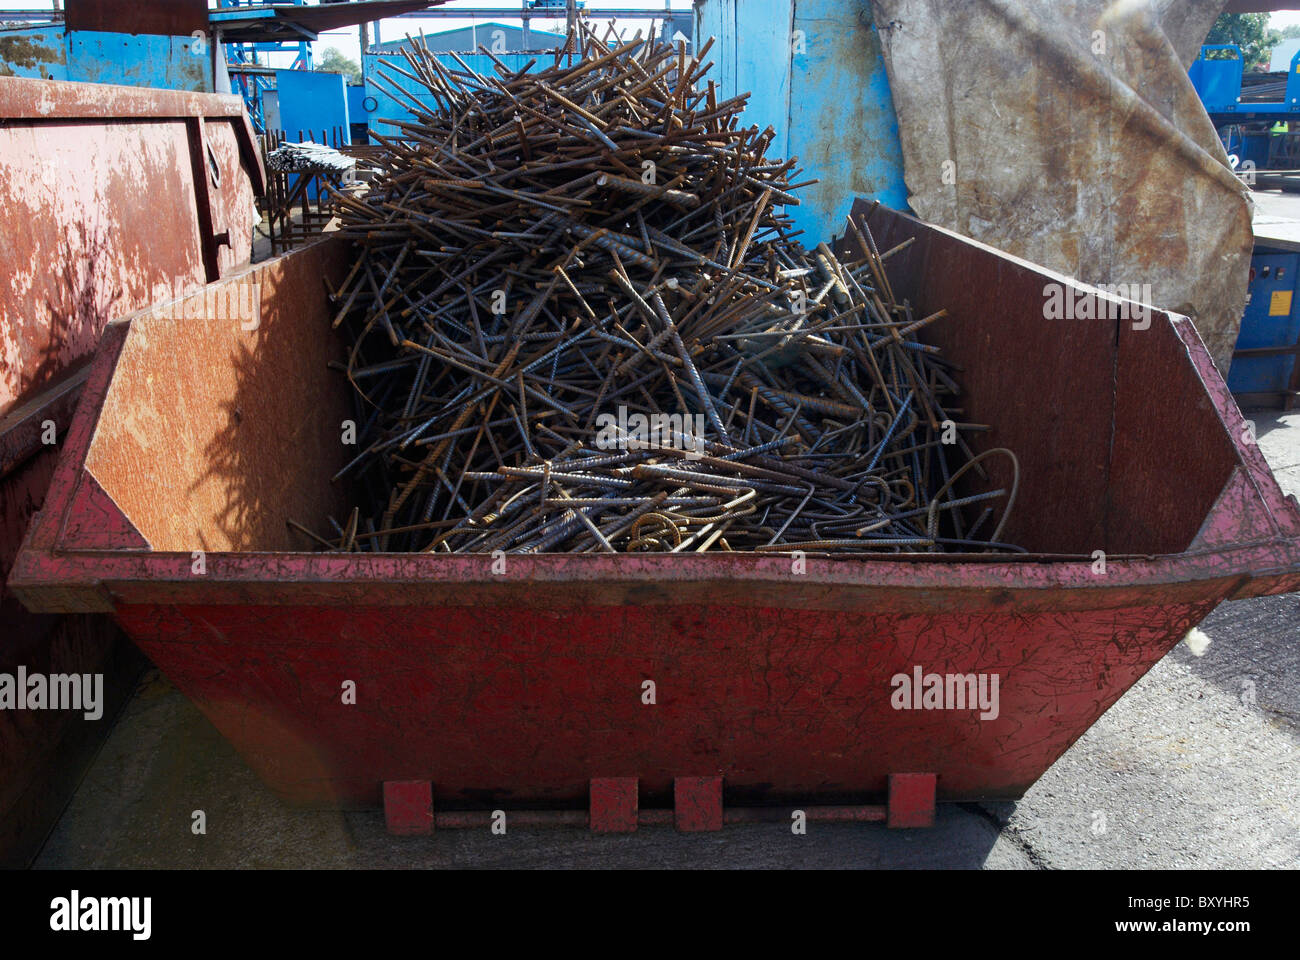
(308, 158)
(580, 322)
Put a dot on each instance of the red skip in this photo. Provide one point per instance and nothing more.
(614, 804)
(408, 807)
(911, 799)
(697, 803)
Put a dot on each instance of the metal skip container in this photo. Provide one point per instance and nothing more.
(84, 171)
(631, 689)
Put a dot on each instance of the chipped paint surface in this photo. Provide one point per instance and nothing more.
(87, 243)
(38, 52)
(83, 240)
(816, 75)
(842, 122)
(143, 60)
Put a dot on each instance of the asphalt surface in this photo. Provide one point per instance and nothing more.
(1195, 767)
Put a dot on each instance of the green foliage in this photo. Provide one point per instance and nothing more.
(335, 60)
(1251, 32)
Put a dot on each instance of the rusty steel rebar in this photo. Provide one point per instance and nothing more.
(580, 321)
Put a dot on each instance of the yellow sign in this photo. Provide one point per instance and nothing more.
(1280, 305)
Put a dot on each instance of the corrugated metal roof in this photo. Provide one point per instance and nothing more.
(461, 38)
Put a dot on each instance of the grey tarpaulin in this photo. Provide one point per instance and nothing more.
(1067, 132)
(1187, 23)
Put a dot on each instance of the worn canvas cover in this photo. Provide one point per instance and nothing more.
(1067, 132)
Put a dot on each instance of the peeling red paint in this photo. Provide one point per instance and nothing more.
(523, 688)
(99, 216)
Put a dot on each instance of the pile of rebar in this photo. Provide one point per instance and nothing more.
(308, 158)
(579, 322)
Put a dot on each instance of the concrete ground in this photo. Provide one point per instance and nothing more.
(1195, 767)
(1275, 208)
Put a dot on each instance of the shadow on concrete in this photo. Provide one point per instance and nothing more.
(165, 761)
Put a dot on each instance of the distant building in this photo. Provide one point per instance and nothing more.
(382, 110)
(506, 38)
(499, 38)
(673, 26)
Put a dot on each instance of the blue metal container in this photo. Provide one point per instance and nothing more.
(1218, 82)
(313, 103)
(817, 77)
(91, 56)
(385, 108)
(1270, 326)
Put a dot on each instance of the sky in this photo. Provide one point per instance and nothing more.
(348, 40)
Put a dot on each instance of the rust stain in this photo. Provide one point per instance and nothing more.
(82, 240)
(26, 53)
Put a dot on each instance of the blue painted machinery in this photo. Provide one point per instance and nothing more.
(182, 45)
(1246, 107)
(1266, 364)
(248, 76)
(816, 75)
